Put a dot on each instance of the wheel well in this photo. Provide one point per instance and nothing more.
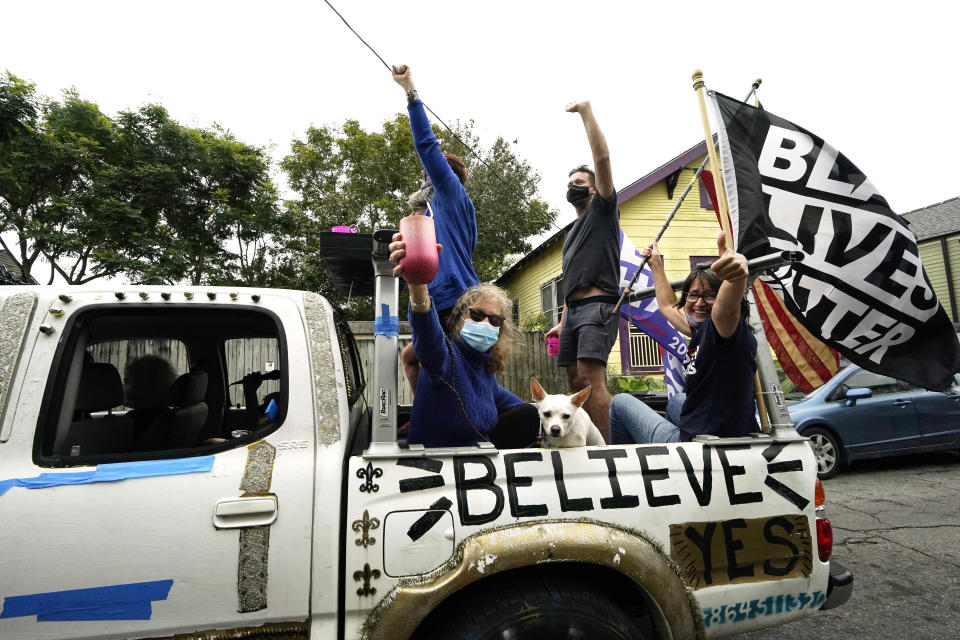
(626, 593)
(833, 432)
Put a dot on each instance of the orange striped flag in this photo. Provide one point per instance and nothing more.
(806, 361)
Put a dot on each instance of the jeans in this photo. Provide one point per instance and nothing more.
(633, 421)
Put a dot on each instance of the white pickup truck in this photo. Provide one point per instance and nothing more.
(304, 517)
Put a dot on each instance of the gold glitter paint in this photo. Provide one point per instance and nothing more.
(742, 551)
(527, 544)
(326, 398)
(15, 312)
(258, 473)
(254, 557)
(273, 631)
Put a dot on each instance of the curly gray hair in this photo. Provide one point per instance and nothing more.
(416, 201)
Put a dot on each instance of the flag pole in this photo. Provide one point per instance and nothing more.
(721, 203)
(723, 210)
(676, 207)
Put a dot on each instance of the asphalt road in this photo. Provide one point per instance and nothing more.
(896, 525)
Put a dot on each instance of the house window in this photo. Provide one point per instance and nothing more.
(695, 260)
(644, 353)
(551, 299)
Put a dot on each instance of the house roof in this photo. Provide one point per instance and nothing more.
(935, 220)
(633, 189)
(662, 172)
(8, 263)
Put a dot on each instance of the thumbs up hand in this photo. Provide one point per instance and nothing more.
(730, 266)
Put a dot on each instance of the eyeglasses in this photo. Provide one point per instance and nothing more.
(708, 298)
(478, 315)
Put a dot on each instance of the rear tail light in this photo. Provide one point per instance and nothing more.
(824, 539)
(824, 530)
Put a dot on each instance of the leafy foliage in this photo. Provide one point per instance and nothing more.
(143, 196)
(347, 175)
(140, 195)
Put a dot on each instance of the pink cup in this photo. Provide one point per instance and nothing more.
(553, 346)
(419, 261)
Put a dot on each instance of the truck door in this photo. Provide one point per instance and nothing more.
(154, 521)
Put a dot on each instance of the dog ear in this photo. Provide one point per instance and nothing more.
(581, 396)
(537, 391)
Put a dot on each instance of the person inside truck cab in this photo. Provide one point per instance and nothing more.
(146, 383)
(454, 216)
(720, 364)
(459, 401)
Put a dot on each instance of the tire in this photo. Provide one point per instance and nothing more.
(531, 606)
(827, 450)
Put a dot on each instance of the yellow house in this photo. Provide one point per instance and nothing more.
(644, 206)
(937, 228)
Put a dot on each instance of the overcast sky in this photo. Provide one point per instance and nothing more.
(877, 83)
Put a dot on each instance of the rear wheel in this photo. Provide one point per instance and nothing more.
(828, 452)
(536, 606)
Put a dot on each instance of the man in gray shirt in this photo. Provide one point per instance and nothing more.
(591, 275)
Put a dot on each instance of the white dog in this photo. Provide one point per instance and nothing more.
(563, 420)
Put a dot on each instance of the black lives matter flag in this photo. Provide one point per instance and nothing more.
(861, 287)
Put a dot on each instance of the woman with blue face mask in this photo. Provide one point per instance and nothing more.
(459, 401)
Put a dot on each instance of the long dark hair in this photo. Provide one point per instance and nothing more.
(703, 272)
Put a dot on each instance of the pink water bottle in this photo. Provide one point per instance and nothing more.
(553, 346)
(419, 260)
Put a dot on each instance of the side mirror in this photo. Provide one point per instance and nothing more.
(858, 393)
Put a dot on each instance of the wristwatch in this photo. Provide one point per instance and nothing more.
(412, 95)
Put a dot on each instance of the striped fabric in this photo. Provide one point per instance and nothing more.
(808, 362)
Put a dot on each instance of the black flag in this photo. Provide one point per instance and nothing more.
(861, 287)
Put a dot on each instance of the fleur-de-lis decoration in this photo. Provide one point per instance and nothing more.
(366, 524)
(366, 575)
(368, 474)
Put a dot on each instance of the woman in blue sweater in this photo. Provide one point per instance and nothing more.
(459, 401)
(454, 217)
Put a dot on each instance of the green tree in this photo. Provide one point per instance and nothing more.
(140, 195)
(224, 194)
(346, 175)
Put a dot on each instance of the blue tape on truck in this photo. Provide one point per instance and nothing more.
(113, 472)
(116, 602)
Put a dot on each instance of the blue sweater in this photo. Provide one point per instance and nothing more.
(454, 219)
(437, 419)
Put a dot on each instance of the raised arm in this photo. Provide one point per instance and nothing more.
(731, 267)
(598, 147)
(666, 297)
(428, 148)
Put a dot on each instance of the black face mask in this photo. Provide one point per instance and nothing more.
(576, 193)
(427, 189)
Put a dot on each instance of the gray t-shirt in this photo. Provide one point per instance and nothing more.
(591, 251)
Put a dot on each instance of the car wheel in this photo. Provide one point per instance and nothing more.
(531, 607)
(827, 450)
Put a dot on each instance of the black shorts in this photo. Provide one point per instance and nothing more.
(589, 330)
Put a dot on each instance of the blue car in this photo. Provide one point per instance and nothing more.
(859, 414)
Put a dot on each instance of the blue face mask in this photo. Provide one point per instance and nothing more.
(479, 335)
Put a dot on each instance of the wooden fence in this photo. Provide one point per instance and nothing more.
(529, 359)
(243, 356)
(246, 355)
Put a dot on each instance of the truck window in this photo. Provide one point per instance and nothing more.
(164, 382)
(246, 359)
